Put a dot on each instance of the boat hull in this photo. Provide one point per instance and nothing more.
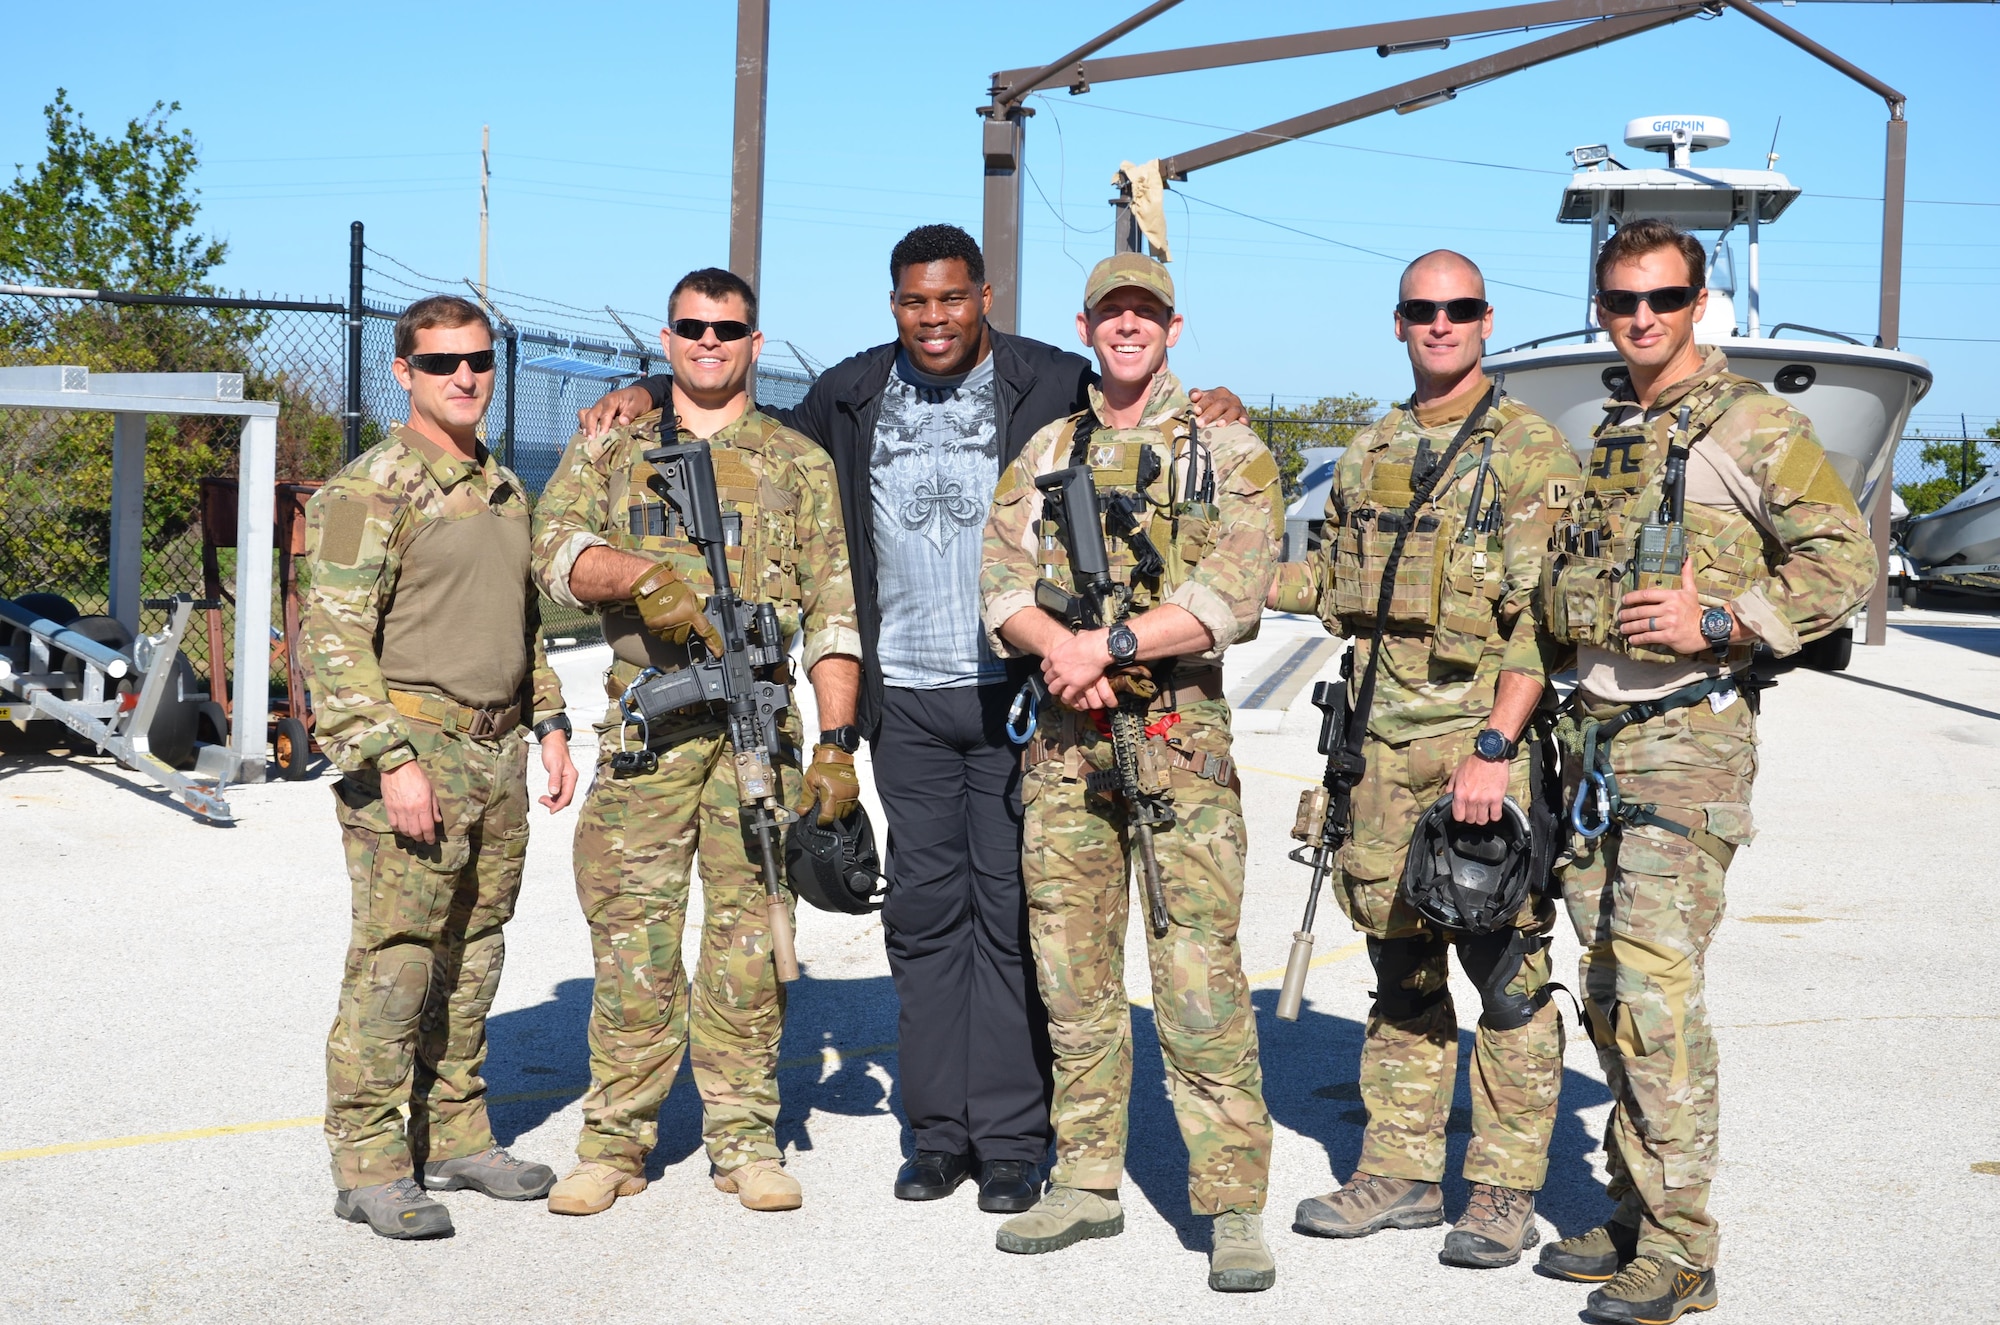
(1858, 399)
(1964, 532)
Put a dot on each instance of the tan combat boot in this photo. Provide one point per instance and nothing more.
(762, 1184)
(1063, 1217)
(1368, 1204)
(1238, 1260)
(1497, 1226)
(591, 1187)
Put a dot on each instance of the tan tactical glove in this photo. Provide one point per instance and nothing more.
(831, 781)
(671, 608)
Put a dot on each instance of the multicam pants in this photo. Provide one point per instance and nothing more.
(1076, 861)
(1645, 903)
(423, 963)
(636, 839)
(1409, 1068)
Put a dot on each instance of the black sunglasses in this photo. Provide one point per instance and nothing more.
(1416, 311)
(1666, 299)
(691, 328)
(445, 365)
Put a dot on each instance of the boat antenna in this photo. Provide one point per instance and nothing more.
(1771, 157)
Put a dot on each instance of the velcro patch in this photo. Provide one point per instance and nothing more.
(1559, 492)
(346, 525)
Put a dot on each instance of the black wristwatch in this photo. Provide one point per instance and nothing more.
(1494, 747)
(1123, 644)
(558, 723)
(1716, 627)
(847, 738)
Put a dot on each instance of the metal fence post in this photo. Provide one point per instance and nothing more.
(513, 366)
(351, 446)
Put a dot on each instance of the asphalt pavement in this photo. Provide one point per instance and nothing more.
(167, 987)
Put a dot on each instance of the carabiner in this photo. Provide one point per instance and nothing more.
(1576, 808)
(1023, 705)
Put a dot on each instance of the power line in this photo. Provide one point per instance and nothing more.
(1372, 252)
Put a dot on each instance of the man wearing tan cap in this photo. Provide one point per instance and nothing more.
(1190, 525)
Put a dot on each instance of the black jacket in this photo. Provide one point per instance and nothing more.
(1036, 384)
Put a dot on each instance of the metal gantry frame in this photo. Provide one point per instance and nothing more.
(1004, 137)
(130, 398)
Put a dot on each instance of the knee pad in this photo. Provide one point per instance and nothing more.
(1492, 961)
(1395, 961)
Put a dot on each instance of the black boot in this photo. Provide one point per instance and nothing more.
(1008, 1186)
(931, 1175)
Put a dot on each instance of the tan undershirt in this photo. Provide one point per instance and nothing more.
(455, 625)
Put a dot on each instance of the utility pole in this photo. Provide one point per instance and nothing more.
(485, 176)
(746, 175)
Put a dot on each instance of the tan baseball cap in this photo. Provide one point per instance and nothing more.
(1128, 269)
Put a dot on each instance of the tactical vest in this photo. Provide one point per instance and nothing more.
(1592, 561)
(760, 523)
(1452, 572)
(1164, 476)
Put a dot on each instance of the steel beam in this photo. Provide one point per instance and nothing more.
(746, 178)
(256, 492)
(1002, 141)
(1078, 75)
(1011, 85)
(1444, 82)
(128, 509)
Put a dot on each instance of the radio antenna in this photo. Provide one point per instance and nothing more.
(1771, 157)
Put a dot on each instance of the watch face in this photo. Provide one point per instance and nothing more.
(1715, 624)
(1124, 645)
(1491, 745)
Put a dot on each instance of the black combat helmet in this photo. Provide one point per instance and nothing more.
(834, 866)
(1470, 878)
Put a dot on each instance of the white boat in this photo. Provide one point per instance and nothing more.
(1858, 396)
(1961, 537)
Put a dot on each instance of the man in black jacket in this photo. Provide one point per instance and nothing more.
(919, 430)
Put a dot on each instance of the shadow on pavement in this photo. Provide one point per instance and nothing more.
(1310, 1070)
(538, 1064)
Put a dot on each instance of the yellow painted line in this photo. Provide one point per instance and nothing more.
(1274, 773)
(156, 1138)
(1339, 954)
(828, 1058)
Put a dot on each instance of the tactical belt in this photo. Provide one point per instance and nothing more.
(1613, 810)
(1219, 769)
(1190, 688)
(453, 717)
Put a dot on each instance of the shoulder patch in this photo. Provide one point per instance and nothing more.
(1559, 491)
(346, 523)
(1261, 471)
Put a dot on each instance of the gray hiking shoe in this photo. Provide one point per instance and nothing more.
(396, 1209)
(1368, 1204)
(1063, 1217)
(1238, 1260)
(492, 1172)
(1592, 1256)
(1497, 1226)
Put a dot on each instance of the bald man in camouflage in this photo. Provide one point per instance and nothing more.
(1663, 722)
(1459, 675)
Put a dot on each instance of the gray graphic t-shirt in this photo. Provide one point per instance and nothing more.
(935, 464)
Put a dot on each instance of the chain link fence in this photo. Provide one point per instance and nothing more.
(1941, 455)
(56, 469)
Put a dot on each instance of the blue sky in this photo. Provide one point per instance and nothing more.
(611, 133)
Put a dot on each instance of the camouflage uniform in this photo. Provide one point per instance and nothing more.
(400, 532)
(639, 834)
(1460, 618)
(1075, 854)
(1775, 536)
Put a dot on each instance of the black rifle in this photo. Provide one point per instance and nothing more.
(1331, 803)
(751, 640)
(1070, 500)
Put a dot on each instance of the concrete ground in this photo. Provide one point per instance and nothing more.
(167, 987)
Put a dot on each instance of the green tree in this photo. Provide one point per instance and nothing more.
(120, 212)
(1290, 431)
(1963, 462)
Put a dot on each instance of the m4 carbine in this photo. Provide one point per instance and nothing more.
(751, 641)
(1069, 498)
(1323, 824)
